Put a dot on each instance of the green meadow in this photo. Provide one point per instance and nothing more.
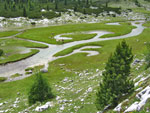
(46, 34)
(72, 66)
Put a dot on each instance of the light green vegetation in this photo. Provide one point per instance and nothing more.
(17, 57)
(35, 69)
(141, 10)
(136, 47)
(75, 63)
(15, 75)
(78, 36)
(2, 79)
(18, 42)
(45, 33)
(15, 49)
(147, 24)
(8, 33)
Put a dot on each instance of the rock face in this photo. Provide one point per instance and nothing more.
(44, 107)
(144, 95)
(136, 61)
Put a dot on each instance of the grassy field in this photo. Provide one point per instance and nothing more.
(71, 68)
(45, 34)
(78, 36)
(8, 33)
(147, 24)
(16, 57)
(13, 49)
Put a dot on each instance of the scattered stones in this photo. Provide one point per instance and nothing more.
(144, 95)
(44, 107)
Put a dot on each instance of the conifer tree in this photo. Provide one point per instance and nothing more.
(24, 12)
(65, 2)
(40, 90)
(115, 80)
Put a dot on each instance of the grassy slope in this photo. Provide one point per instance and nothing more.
(147, 24)
(8, 91)
(45, 33)
(8, 33)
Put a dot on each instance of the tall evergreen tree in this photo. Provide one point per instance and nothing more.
(24, 12)
(115, 79)
(65, 2)
(87, 2)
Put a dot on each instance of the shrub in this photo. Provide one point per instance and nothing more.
(2, 79)
(1, 52)
(40, 90)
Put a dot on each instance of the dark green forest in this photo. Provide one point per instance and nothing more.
(32, 8)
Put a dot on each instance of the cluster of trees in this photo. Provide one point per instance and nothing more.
(115, 80)
(32, 8)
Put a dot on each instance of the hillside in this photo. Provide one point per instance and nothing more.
(86, 52)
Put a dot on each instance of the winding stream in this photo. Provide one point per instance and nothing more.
(46, 55)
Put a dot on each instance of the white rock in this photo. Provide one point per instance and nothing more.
(66, 79)
(43, 10)
(1, 104)
(118, 108)
(89, 89)
(133, 107)
(62, 108)
(51, 104)
(58, 97)
(82, 100)
(44, 107)
(144, 95)
(139, 89)
(97, 70)
(15, 105)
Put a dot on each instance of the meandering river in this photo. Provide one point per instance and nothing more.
(46, 55)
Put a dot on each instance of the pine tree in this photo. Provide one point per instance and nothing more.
(115, 79)
(87, 2)
(56, 4)
(75, 8)
(40, 90)
(24, 12)
(65, 3)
